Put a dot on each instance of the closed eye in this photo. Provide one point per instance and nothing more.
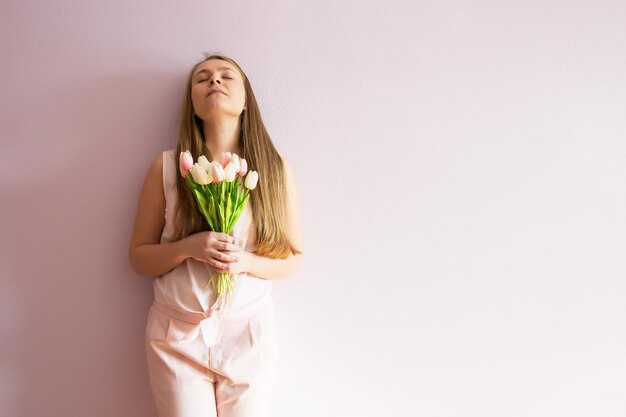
(204, 79)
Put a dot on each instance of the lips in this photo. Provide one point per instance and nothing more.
(216, 91)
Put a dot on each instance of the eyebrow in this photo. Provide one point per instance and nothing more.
(206, 70)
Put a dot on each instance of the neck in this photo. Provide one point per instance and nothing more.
(221, 135)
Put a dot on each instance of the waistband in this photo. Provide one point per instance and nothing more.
(225, 314)
(210, 324)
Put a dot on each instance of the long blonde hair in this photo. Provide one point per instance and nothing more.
(268, 199)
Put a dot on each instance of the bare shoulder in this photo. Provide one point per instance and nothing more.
(149, 218)
(154, 176)
(157, 162)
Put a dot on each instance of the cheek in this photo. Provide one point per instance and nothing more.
(240, 93)
(196, 96)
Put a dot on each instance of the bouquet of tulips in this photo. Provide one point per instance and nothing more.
(220, 197)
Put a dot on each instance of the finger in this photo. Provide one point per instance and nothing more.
(225, 256)
(230, 247)
(223, 237)
(220, 265)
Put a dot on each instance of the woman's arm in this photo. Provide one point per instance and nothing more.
(271, 268)
(146, 254)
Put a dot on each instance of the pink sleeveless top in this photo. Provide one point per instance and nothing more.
(183, 286)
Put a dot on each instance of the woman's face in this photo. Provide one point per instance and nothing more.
(217, 90)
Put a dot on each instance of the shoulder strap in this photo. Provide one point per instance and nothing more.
(169, 170)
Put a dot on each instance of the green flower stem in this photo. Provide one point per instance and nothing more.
(221, 205)
(224, 285)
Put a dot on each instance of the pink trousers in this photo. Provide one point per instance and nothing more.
(234, 377)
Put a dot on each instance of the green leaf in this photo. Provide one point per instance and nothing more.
(190, 182)
(228, 210)
(233, 197)
(212, 213)
(222, 220)
(202, 205)
(212, 205)
(200, 198)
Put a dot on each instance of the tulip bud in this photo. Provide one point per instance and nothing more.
(218, 173)
(209, 171)
(185, 162)
(235, 160)
(204, 163)
(224, 158)
(243, 168)
(230, 172)
(251, 180)
(199, 175)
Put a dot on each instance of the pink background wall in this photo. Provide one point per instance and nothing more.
(461, 172)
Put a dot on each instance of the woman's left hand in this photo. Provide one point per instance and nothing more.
(242, 264)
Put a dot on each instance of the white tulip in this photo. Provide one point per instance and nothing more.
(209, 171)
(251, 180)
(230, 172)
(199, 175)
(204, 163)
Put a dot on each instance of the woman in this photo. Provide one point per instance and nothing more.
(206, 358)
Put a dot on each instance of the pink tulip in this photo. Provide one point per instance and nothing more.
(185, 162)
(243, 168)
(225, 159)
(218, 173)
(235, 161)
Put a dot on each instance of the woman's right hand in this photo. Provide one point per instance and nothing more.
(215, 248)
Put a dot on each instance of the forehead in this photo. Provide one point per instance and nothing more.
(214, 65)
